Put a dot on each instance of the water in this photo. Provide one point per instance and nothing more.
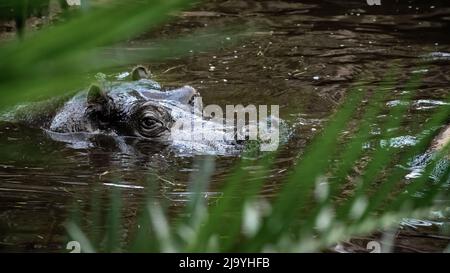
(302, 57)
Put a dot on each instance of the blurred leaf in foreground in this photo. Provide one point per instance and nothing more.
(57, 59)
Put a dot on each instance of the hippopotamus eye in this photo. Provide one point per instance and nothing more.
(153, 121)
(152, 127)
(150, 123)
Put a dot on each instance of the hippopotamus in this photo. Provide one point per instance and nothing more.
(118, 108)
(133, 111)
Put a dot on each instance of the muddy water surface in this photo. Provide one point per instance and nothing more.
(304, 57)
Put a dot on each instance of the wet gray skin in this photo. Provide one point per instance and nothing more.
(138, 110)
(131, 117)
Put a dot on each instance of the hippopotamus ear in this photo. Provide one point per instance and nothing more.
(140, 72)
(97, 100)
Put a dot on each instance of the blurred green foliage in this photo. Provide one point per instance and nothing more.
(59, 58)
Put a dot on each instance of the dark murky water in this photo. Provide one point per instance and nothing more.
(304, 57)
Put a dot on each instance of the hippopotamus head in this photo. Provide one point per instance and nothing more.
(137, 109)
